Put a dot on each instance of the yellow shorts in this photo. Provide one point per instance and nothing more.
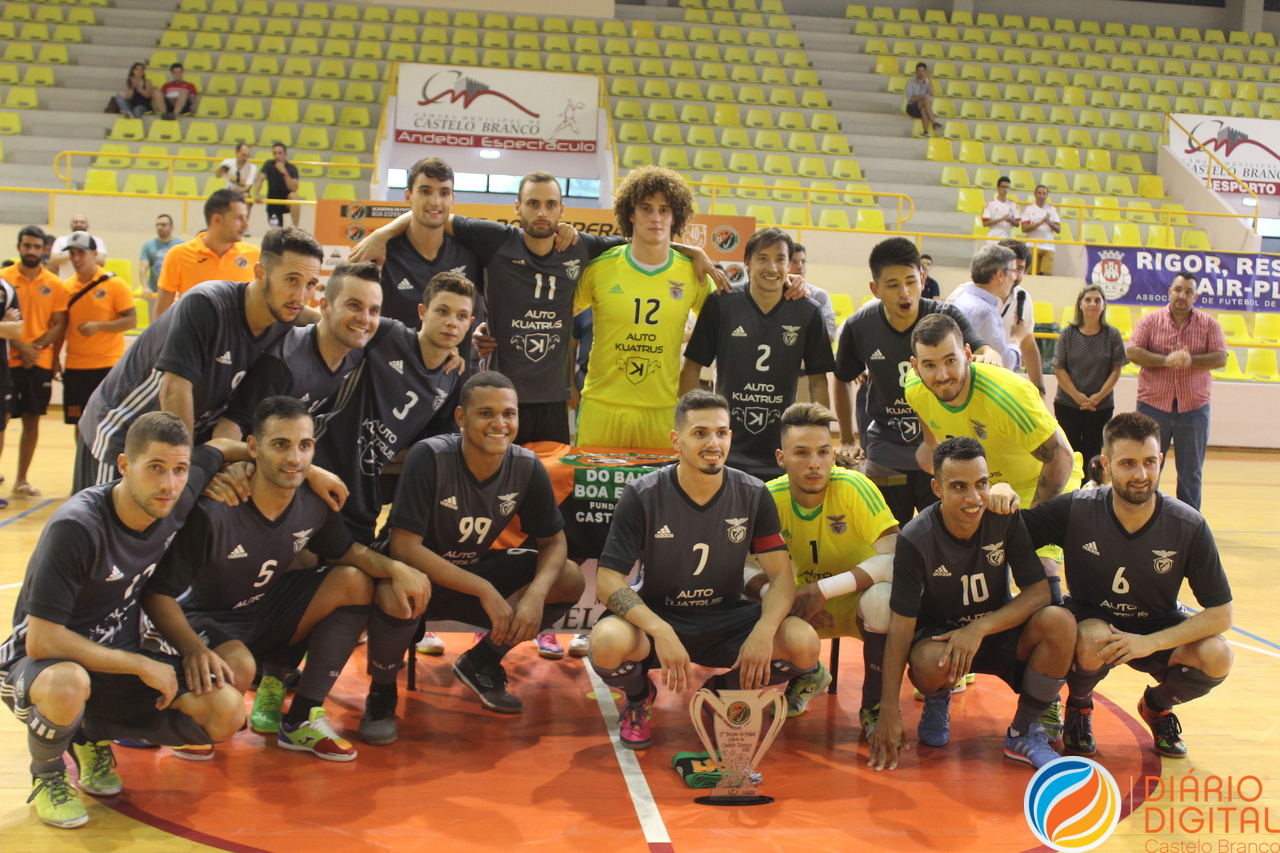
(1053, 552)
(607, 425)
(844, 609)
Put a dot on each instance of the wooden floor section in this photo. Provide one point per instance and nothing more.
(463, 779)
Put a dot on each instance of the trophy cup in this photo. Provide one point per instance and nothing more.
(742, 739)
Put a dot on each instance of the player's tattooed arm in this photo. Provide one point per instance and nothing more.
(623, 601)
(1056, 458)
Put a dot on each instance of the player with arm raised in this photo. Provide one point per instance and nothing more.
(692, 526)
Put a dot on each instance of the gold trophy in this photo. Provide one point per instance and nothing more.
(741, 737)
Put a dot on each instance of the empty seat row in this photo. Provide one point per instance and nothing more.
(1076, 137)
(64, 33)
(865, 219)
(721, 115)
(692, 90)
(106, 181)
(1067, 157)
(734, 137)
(1116, 119)
(196, 159)
(1142, 79)
(292, 66)
(49, 14)
(741, 162)
(198, 132)
(31, 75)
(1056, 41)
(768, 6)
(910, 51)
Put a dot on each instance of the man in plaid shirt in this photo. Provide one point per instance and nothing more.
(1176, 349)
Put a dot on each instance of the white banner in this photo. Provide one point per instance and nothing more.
(496, 108)
(1250, 147)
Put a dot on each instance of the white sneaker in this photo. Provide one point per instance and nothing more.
(430, 644)
(580, 645)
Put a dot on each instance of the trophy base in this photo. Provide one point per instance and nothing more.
(739, 800)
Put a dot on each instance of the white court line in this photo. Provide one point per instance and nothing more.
(11, 585)
(655, 831)
(1254, 649)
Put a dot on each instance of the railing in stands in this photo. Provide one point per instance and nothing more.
(1208, 178)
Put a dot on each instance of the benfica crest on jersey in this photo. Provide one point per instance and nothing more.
(737, 529)
(677, 288)
(838, 524)
(790, 334)
(995, 553)
(508, 504)
(1163, 562)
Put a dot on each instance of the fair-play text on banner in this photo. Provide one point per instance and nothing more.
(1230, 281)
(495, 108)
(1250, 147)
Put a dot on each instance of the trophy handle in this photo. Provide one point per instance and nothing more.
(701, 698)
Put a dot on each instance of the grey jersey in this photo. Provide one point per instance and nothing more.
(759, 358)
(868, 342)
(1133, 577)
(292, 366)
(88, 569)
(205, 339)
(406, 273)
(227, 557)
(945, 582)
(691, 555)
(386, 405)
(458, 516)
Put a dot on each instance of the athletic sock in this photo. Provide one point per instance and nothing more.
(554, 611)
(1038, 693)
(329, 646)
(300, 710)
(1055, 590)
(1181, 684)
(631, 678)
(167, 728)
(48, 741)
(389, 641)
(1081, 683)
(872, 667)
(784, 670)
(487, 653)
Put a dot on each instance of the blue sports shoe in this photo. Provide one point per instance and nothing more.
(935, 721)
(1032, 747)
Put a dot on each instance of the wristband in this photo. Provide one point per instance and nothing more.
(837, 585)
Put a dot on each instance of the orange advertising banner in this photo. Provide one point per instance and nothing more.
(342, 224)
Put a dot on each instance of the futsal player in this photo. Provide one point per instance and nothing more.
(760, 343)
(841, 537)
(877, 339)
(640, 295)
(188, 361)
(456, 496)
(1128, 549)
(953, 613)
(226, 586)
(691, 526)
(72, 671)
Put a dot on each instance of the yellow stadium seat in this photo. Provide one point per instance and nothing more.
(108, 157)
(313, 139)
(21, 98)
(1260, 365)
(100, 181)
(164, 131)
(127, 130)
(339, 191)
(1266, 328)
(141, 185)
(1231, 371)
(970, 201)
(1233, 327)
(869, 219)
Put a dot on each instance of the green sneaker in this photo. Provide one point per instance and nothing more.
(868, 717)
(268, 700)
(804, 688)
(1165, 728)
(97, 765)
(1051, 720)
(56, 801)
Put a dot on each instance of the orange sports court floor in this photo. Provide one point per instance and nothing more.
(464, 779)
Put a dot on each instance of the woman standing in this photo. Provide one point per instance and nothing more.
(138, 90)
(1087, 363)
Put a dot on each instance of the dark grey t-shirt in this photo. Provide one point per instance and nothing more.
(868, 342)
(691, 555)
(405, 274)
(1088, 360)
(88, 569)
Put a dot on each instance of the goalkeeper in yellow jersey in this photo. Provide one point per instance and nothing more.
(841, 536)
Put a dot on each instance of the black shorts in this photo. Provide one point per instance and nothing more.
(6, 400)
(711, 636)
(914, 495)
(114, 697)
(1154, 664)
(508, 570)
(278, 211)
(278, 615)
(998, 654)
(543, 422)
(77, 386)
(913, 110)
(32, 388)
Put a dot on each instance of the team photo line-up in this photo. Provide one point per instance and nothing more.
(232, 465)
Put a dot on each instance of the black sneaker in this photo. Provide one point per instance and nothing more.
(1077, 733)
(168, 117)
(489, 683)
(1165, 728)
(378, 725)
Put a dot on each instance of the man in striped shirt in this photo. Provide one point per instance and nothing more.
(1175, 349)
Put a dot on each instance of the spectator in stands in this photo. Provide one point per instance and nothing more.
(920, 99)
(932, 290)
(187, 264)
(1019, 315)
(240, 174)
(1001, 213)
(177, 96)
(59, 260)
(993, 272)
(99, 311)
(1040, 221)
(817, 294)
(281, 178)
(153, 252)
(1176, 348)
(1087, 362)
(139, 94)
(43, 302)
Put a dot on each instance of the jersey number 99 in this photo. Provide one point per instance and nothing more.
(473, 524)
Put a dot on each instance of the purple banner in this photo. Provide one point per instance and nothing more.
(1228, 281)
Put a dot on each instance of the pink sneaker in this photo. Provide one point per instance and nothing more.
(549, 647)
(635, 731)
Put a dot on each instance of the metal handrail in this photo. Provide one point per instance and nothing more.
(65, 157)
(1208, 178)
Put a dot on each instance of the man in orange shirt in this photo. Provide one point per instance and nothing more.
(216, 254)
(43, 301)
(99, 311)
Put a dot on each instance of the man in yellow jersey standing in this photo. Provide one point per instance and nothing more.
(841, 537)
(215, 254)
(640, 295)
